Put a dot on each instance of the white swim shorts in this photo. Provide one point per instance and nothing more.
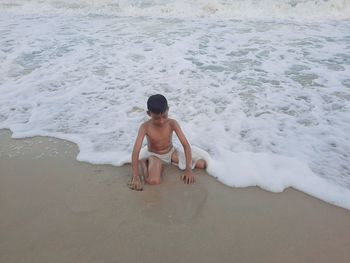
(166, 158)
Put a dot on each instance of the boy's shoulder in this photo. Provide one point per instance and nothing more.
(172, 122)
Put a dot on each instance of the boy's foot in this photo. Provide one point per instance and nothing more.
(201, 164)
(135, 183)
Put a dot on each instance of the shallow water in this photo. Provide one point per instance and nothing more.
(268, 100)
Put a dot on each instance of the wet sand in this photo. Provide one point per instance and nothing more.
(56, 209)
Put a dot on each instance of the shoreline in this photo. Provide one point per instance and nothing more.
(54, 208)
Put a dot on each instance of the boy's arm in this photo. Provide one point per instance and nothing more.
(135, 158)
(188, 175)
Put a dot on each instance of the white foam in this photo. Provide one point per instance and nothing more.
(275, 173)
(269, 101)
(233, 9)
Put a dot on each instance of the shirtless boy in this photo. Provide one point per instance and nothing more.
(158, 131)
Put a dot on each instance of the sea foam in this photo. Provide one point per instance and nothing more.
(233, 9)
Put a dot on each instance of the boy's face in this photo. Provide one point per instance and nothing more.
(158, 119)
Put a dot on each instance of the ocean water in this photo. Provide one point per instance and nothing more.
(263, 87)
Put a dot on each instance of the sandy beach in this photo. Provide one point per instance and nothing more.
(56, 209)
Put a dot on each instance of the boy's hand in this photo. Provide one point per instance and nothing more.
(135, 183)
(188, 177)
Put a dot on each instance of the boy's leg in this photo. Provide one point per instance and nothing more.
(200, 164)
(144, 168)
(154, 171)
(175, 158)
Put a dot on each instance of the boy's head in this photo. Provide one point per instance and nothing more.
(157, 104)
(157, 109)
